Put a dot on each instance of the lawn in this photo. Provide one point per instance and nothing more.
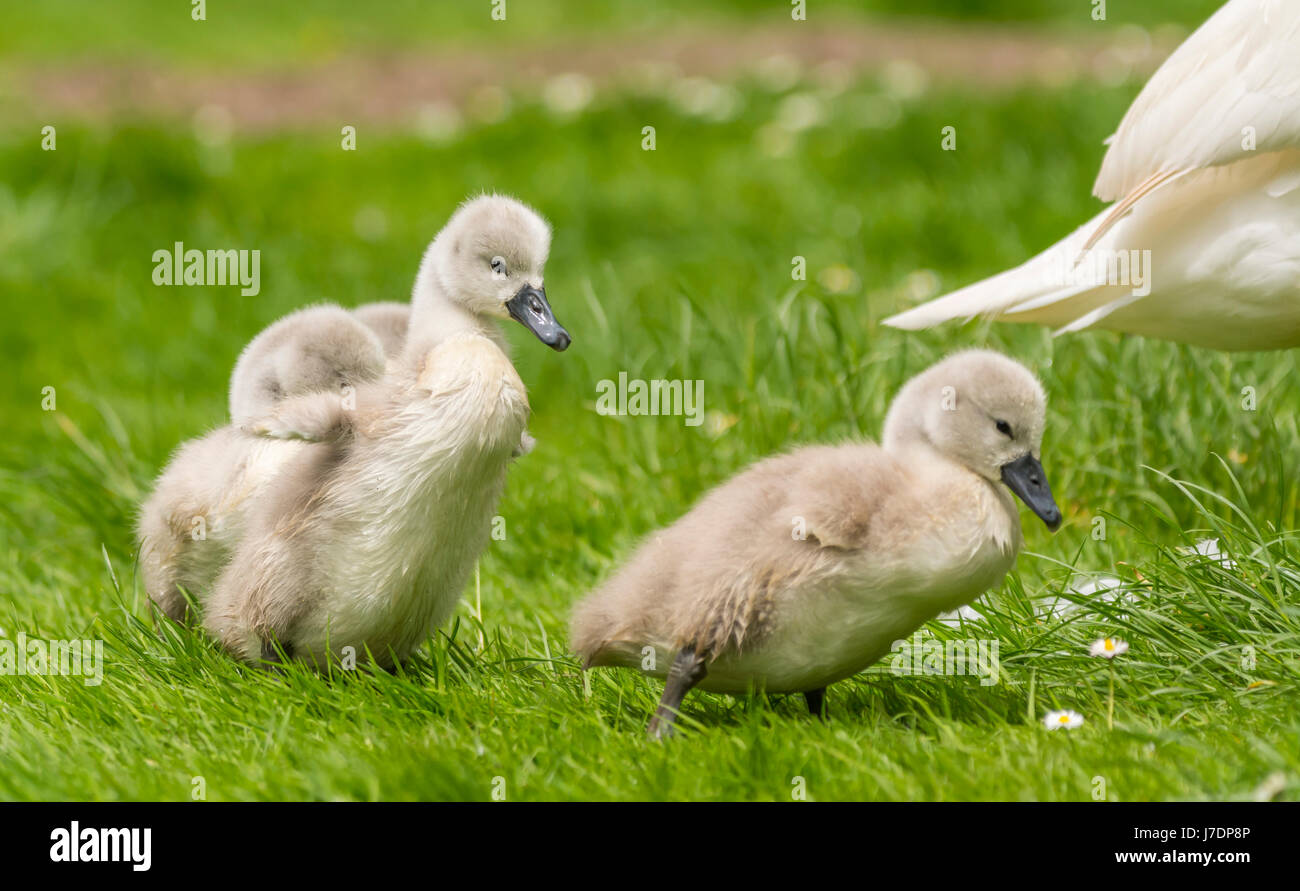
(672, 263)
(252, 33)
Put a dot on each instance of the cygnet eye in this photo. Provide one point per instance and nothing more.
(1005, 429)
(499, 265)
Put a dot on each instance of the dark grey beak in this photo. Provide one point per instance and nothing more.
(530, 309)
(1026, 478)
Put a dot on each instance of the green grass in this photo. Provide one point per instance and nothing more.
(249, 32)
(670, 264)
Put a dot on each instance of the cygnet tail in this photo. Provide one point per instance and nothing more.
(594, 633)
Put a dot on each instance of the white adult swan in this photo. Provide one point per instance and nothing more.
(323, 525)
(1205, 175)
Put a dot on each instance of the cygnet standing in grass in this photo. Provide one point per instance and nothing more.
(328, 525)
(806, 567)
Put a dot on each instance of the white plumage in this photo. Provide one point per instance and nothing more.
(314, 350)
(353, 520)
(806, 567)
(1204, 173)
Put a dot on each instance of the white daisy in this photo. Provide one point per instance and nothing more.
(569, 93)
(1110, 647)
(1063, 719)
(1209, 548)
(1102, 588)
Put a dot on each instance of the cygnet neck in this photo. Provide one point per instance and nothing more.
(435, 316)
(909, 444)
(901, 434)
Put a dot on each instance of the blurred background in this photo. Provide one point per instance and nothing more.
(774, 139)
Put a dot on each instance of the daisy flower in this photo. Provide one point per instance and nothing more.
(1209, 548)
(1110, 647)
(1063, 719)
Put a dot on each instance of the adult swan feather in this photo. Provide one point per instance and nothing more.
(1204, 173)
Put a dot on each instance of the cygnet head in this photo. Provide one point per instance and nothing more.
(488, 261)
(985, 412)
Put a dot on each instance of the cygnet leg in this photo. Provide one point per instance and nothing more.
(272, 650)
(687, 670)
(816, 702)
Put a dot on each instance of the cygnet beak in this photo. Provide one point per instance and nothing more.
(1025, 477)
(530, 309)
